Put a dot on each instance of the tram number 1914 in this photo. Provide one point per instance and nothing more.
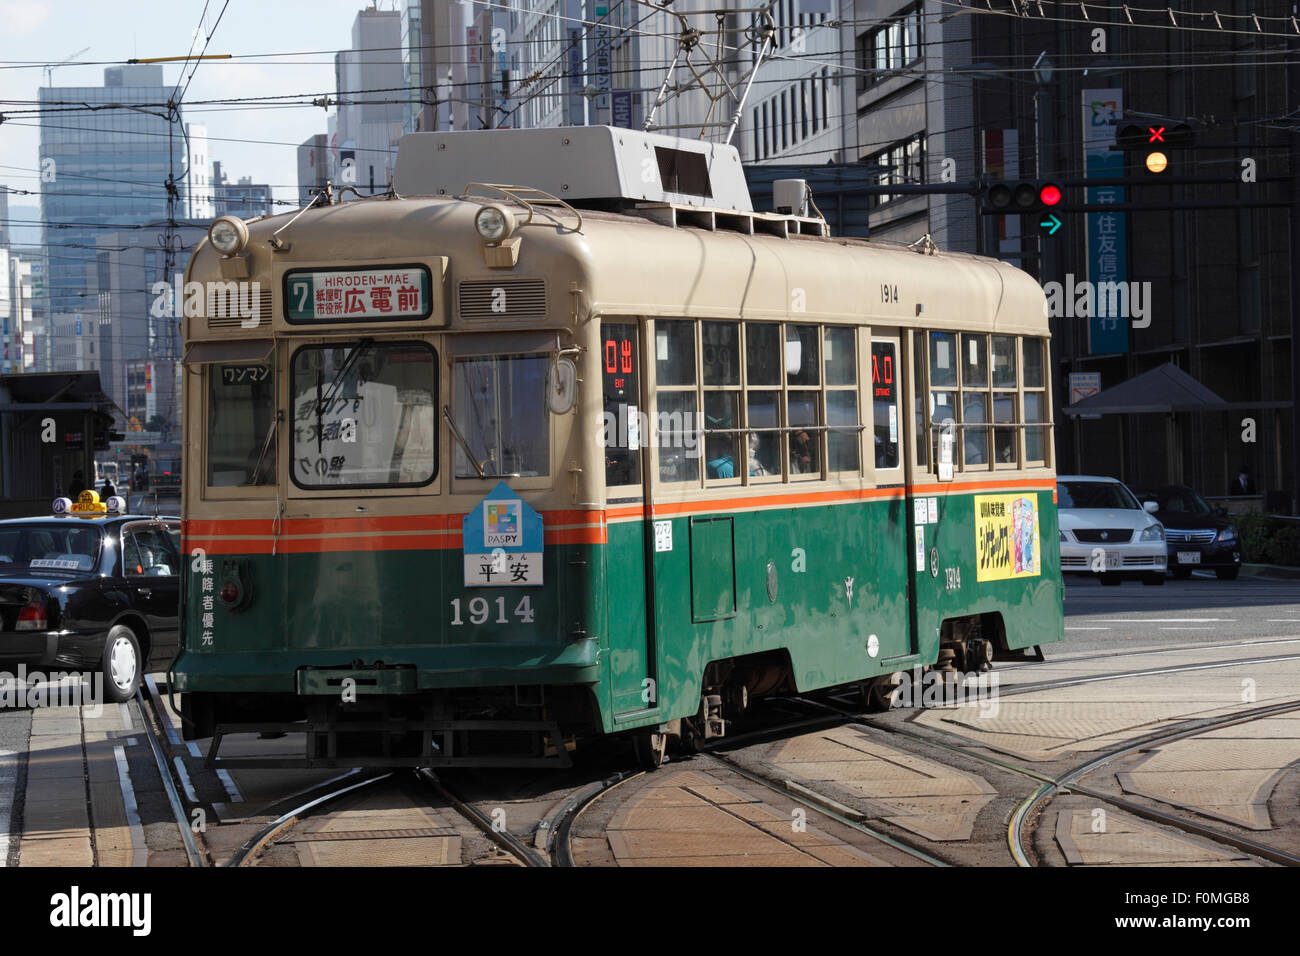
(888, 293)
(480, 610)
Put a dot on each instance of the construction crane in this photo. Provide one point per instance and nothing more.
(51, 67)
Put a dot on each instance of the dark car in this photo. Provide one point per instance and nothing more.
(1196, 535)
(90, 594)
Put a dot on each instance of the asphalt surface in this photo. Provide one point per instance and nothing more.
(1201, 609)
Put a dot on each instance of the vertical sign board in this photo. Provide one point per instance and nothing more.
(502, 541)
(1106, 232)
(603, 57)
(575, 79)
(622, 106)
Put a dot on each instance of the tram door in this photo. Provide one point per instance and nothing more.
(629, 588)
(897, 551)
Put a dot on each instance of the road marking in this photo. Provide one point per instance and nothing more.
(140, 854)
(1167, 620)
(8, 776)
(1283, 620)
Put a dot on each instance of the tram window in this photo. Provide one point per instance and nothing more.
(1033, 349)
(1004, 439)
(240, 441)
(943, 359)
(721, 341)
(678, 422)
(622, 390)
(364, 415)
(801, 366)
(841, 361)
(918, 396)
(884, 400)
(804, 444)
(942, 411)
(839, 353)
(974, 361)
(1004, 361)
(721, 411)
(1034, 438)
(974, 410)
(842, 445)
(764, 446)
(679, 450)
(499, 409)
(674, 353)
(762, 355)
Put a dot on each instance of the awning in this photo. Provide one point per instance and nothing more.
(1166, 388)
(206, 353)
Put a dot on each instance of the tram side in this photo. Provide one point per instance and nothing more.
(730, 508)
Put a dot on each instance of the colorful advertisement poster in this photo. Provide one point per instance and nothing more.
(1006, 537)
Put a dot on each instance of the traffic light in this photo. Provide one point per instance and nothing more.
(1009, 198)
(1151, 148)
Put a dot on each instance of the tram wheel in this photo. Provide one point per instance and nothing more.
(880, 693)
(650, 749)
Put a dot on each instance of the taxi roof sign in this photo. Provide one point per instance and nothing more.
(88, 505)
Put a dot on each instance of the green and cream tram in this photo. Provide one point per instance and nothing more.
(474, 471)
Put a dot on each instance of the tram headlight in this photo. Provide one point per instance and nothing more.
(228, 235)
(494, 223)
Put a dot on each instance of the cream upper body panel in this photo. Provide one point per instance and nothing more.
(628, 265)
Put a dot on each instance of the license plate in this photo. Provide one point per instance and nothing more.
(1114, 561)
(1189, 557)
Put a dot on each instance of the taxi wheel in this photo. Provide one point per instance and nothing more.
(121, 664)
(1227, 574)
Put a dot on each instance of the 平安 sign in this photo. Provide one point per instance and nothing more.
(502, 541)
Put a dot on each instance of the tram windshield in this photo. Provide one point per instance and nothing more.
(500, 408)
(363, 416)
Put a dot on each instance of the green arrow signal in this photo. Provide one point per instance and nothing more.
(1051, 224)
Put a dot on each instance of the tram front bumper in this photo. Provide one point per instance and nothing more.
(381, 670)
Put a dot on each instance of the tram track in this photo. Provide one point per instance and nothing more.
(154, 732)
(1068, 781)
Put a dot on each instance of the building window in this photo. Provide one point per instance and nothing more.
(902, 162)
(889, 47)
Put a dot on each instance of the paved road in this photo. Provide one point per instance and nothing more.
(1202, 609)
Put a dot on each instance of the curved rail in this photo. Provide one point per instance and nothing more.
(558, 825)
(288, 819)
(1016, 832)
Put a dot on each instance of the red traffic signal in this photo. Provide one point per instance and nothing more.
(1022, 197)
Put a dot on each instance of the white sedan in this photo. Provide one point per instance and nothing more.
(1106, 531)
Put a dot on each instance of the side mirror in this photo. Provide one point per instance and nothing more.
(1150, 507)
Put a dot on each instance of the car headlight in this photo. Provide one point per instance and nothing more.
(228, 235)
(1228, 534)
(494, 223)
(1155, 532)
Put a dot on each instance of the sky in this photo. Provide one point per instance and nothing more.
(33, 32)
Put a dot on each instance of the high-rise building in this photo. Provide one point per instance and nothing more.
(134, 329)
(198, 178)
(244, 199)
(101, 168)
(313, 166)
(369, 78)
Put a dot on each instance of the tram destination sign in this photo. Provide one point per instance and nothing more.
(371, 294)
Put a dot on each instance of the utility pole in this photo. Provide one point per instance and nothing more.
(1293, 158)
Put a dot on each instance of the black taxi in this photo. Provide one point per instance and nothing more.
(90, 589)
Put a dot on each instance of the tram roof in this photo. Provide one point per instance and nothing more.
(632, 262)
